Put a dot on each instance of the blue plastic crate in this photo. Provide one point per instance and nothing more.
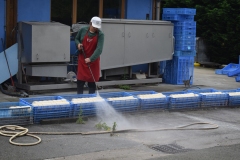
(181, 68)
(185, 47)
(121, 105)
(233, 100)
(185, 37)
(185, 42)
(212, 100)
(185, 23)
(176, 17)
(185, 32)
(150, 103)
(20, 115)
(184, 102)
(187, 11)
(87, 109)
(218, 71)
(168, 72)
(234, 72)
(162, 66)
(230, 67)
(201, 90)
(184, 53)
(237, 79)
(50, 111)
(184, 28)
(170, 93)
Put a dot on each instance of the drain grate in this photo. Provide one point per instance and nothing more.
(170, 148)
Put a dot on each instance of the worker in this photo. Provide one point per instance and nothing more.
(91, 40)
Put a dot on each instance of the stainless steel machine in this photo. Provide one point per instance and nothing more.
(44, 50)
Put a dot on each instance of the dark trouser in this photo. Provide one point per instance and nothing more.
(91, 87)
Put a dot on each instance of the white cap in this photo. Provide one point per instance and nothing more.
(96, 22)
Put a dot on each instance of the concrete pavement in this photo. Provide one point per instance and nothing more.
(222, 143)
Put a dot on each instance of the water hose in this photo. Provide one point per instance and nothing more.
(11, 132)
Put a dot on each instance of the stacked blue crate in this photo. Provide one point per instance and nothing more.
(185, 34)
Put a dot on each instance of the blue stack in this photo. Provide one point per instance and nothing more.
(127, 105)
(150, 102)
(181, 67)
(211, 97)
(51, 111)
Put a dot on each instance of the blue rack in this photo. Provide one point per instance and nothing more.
(128, 105)
(211, 100)
(88, 109)
(21, 115)
(47, 112)
(150, 103)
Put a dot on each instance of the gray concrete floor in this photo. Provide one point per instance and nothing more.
(222, 143)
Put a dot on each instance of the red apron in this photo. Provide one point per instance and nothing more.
(84, 74)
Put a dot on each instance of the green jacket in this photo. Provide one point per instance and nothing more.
(79, 38)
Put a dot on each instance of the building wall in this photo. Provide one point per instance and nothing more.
(2, 19)
(34, 10)
(137, 9)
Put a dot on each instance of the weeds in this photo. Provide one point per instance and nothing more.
(103, 126)
(80, 117)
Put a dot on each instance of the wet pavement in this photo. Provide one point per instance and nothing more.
(222, 143)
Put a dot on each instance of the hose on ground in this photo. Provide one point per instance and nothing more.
(8, 93)
(11, 132)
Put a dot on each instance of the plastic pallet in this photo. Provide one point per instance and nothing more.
(15, 116)
(176, 17)
(47, 112)
(187, 11)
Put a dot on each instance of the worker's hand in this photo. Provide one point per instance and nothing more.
(80, 46)
(87, 60)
